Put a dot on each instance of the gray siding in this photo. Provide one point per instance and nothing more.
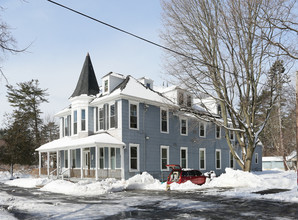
(149, 148)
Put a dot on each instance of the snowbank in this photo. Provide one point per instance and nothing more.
(234, 182)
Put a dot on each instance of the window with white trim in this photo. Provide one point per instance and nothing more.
(183, 126)
(183, 157)
(164, 120)
(133, 157)
(180, 98)
(101, 118)
(106, 86)
(75, 122)
(202, 155)
(164, 157)
(202, 130)
(218, 159)
(83, 120)
(133, 115)
(217, 132)
(188, 101)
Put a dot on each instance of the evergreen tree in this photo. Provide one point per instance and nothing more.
(23, 127)
(26, 99)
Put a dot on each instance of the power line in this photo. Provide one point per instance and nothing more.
(121, 30)
(141, 38)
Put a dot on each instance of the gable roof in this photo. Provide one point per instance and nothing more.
(87, 83)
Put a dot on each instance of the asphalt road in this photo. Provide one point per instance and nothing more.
(147, 205)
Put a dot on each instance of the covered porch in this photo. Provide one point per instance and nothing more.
(98, 156)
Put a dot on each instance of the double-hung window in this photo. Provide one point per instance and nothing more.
(83, 120)
(188, 101)
(217, 132)
(164, 157)
(183, 126)
(202, 161)
(133, 157)
(164, 117)
(218, 159)
(183, 157)
(101, 119)
(133, 116)
(75, 122)
(202, 130)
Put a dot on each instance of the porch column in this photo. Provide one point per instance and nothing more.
(122, 162)
(39, 163)
(48, 163)
(82, 172)
(96, 163)
(57, 164)
(68, 162)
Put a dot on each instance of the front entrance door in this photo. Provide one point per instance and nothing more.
(87, 163)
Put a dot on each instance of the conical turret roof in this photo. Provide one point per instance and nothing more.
(87, 83)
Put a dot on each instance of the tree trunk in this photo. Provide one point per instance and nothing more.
(11, 171)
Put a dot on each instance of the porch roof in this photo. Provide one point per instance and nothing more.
(102, 140)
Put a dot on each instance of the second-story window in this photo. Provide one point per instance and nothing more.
(183, 126)
(202, 129)
(217, 132)
(83, 119)
(164, 120)
(67, 125)
(75, 122)
(133, 118)
(101, 119)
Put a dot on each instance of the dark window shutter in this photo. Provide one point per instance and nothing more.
(116, 115)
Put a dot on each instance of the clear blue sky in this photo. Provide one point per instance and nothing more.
(61, 39)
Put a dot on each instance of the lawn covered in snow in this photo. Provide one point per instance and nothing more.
(235, 183)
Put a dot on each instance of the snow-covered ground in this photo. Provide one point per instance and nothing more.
(235, 183)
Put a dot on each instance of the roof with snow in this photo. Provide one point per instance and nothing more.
(87, 83)
(102, 139)
(133, 88)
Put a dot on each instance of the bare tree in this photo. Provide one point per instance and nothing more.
(224, 50)
(7, 41)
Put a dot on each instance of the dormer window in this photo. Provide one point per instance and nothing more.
(106, 86)
(219, 110)
(180, 98)
(188, 101)
(148, 85)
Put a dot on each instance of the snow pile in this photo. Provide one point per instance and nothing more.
(84, 188)
(28, 182)
(144, 181)
(236, 178)
(231, 183)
